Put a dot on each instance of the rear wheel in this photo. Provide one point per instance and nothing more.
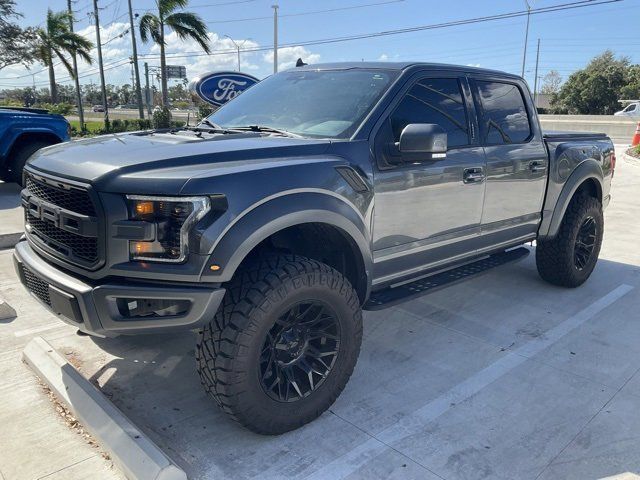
(20, 157)
(569, 258)
(283, 344)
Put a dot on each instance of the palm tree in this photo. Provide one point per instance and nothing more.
(185, 24)
(56, 40)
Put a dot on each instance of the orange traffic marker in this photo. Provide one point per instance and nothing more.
(636, 136)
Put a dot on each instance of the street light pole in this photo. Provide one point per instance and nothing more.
(238, 47)
(275, 38)
(526, 37)
(535, 81)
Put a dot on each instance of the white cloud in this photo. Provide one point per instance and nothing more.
(192, 56)
(288, 56)
(383, 58)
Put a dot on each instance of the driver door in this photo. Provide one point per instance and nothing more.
(427, 212)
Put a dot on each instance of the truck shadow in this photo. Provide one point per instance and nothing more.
(403, 365)
(9, 195)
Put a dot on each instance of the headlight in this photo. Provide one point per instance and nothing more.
(173, 218)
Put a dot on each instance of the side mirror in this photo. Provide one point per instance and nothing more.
(427, 138)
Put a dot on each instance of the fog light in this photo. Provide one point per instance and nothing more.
(151, 307)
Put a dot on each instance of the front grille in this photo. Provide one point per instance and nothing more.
(52, 231)
(73, 199)
(35, 285)
(65, 243)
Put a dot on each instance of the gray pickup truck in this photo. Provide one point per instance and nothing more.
(319, 192)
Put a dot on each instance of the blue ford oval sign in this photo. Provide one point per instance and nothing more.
(218, 88)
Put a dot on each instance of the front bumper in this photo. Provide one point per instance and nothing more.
(97, 309)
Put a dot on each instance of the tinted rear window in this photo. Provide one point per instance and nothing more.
(505, 118)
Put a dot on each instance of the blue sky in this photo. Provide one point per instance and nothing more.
(568, 38)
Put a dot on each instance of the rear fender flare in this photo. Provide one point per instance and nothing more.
(589, 169)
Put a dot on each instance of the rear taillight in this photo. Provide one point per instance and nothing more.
(613, 163)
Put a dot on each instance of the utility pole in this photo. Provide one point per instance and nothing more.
(535, 81)
(102, 83)
(275, 38)
(135, 63)
(526, 37)
(147, 93)
(75, 72)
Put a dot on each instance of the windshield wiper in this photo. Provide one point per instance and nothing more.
(213, 126)
(267, 129)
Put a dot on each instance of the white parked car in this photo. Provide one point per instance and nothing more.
(631, 110)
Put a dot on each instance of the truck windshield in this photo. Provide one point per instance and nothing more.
(325, 104)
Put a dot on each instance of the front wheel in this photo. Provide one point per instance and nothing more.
(569, 258)
(283, 344)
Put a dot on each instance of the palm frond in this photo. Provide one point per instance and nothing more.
(190, 25)
(166, 7)
(150, 28)
(64, 61)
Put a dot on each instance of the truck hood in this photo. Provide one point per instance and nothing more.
(165, 161)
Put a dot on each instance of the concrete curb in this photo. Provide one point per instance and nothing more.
(9, 240)
(132, 451)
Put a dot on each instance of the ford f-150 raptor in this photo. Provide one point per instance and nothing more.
(320, 191)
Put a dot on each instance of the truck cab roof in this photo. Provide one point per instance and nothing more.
(403, 66)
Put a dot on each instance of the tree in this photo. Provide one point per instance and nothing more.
(16, 44)
(56, 40)
(595, 89)
(631, 91)
(184, 24)
(551, 83)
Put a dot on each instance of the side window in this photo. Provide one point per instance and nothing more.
(437, 101)
(505, 118)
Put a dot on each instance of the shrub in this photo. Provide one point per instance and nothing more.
(204, 110)
(161, 118)
(117, 126)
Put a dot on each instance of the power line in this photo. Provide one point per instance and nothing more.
(489, 18)
(455, 23)
(302, 14)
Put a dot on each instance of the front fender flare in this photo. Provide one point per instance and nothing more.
(258, 223)
(589, 169)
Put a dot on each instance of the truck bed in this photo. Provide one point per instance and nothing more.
(557, 135)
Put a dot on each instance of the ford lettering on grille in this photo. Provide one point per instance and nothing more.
(61, 220)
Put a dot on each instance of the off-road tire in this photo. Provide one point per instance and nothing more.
(20, 157)
(228, 348)
(555, 257)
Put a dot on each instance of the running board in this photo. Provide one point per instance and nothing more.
(394, 295)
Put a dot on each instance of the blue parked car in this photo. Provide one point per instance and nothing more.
(22, 132)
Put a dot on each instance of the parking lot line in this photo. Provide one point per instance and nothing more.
(354, 459)
(41, 328)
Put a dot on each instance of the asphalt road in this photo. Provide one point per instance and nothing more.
(501, 377)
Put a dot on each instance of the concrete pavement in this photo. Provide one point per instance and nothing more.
(12, 223)
(501, 377)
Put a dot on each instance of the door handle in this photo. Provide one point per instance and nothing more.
(472, 175)
(536, 167)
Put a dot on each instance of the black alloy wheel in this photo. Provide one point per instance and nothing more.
(585, 243)
(299, 351)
